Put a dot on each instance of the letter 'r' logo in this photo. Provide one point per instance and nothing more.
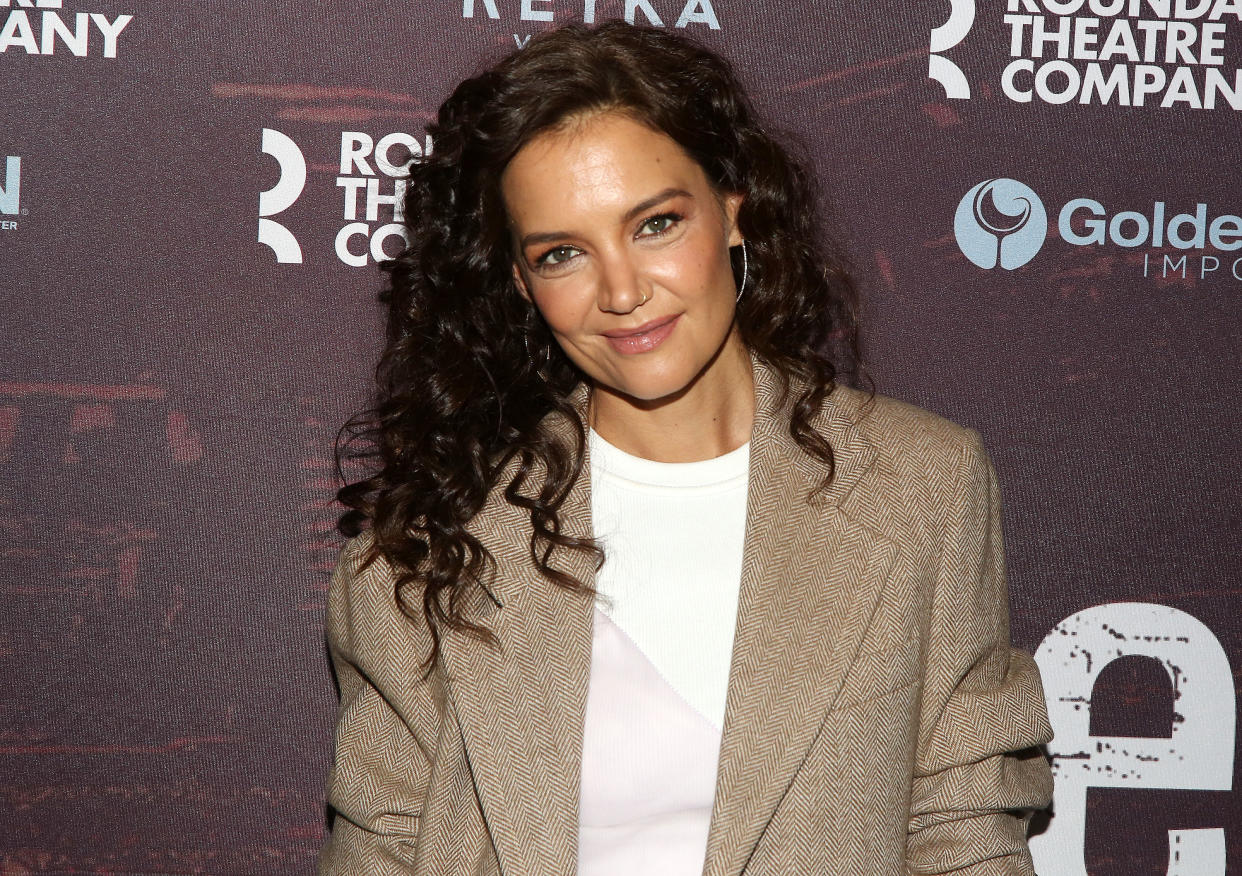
(945, 37)
(1000, 222)
(281, 196)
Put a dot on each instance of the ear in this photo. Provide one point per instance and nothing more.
(732, 203)
(520, 282)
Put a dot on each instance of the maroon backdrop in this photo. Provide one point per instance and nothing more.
(170, 385)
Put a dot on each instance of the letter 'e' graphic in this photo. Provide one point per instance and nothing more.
(945, 37)
(1197, 755)
(1000, 221)
(281, 196)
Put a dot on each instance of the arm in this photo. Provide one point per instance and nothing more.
(380, 771)
(977, 778)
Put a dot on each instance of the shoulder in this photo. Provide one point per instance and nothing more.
(918, 459)
(364, 619)
(358, 555)
(362, 582)
(899, 430)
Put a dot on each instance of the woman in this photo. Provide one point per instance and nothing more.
(643, 588)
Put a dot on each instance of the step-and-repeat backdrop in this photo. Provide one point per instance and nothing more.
(1041, 199)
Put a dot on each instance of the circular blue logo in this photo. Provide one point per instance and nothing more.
(1000, 222)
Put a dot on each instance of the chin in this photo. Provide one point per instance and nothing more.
(647, 393)
(653, 387)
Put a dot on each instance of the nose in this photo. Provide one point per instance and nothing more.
(622, 286)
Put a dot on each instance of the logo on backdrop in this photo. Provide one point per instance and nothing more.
(371, 178)
(945, 37)
(11, 193)
(1000, 222)
(1165, 54)
(35, 27)
(678, 13)
(281, 196)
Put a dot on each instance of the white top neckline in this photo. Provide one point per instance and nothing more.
(719, 470)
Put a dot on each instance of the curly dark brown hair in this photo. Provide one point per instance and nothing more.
(458, 397)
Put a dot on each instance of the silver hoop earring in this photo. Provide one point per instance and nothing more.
(745, 269)
(538, 366)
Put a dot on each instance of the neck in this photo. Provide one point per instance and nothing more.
(709, 418)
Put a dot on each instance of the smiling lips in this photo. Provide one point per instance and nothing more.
(644, 338)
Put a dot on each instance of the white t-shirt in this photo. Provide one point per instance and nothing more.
(663, 639)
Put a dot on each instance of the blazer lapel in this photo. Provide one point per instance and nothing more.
(521, 707)
(811, 577)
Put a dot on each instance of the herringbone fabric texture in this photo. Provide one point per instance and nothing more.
(877, 723)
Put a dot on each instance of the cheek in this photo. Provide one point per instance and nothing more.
(698, 268)
(564, 306)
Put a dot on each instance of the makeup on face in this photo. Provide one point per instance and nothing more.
(623, 246)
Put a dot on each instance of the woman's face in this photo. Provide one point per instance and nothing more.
(623, 245)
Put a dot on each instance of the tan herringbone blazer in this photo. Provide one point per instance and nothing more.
(876, 715)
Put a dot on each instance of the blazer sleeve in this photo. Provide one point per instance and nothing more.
(978, 776)
(379, 770)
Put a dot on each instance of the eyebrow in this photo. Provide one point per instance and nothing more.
(641, 206)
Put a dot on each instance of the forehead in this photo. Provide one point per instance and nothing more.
(592, 168)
